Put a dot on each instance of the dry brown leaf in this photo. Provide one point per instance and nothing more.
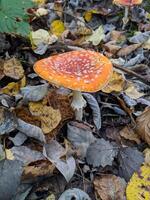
(129, 134)
(116, 83)
(1, 69)
(38, 169)
(50, 117)
(110, 187)
(147, 155)
(111, 47)
(117, 36)
(132, 92)
(13, 69)
(143, 125)
(128, 49)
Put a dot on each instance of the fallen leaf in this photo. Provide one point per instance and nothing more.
(8, 121)
(117, 36)
(39, 1)
(13, 69)
(26, 155)
(53, 152)
(1, 69)
(110, 187)
(139, 184)
(93, 104)
(57, 27)
(112, 47)
(132, 92)
(13, 88)
(80, 136)
(143, 125)
(129, 134)
(41, 12)
(130, 160)
(96, 37)
(140, 37)
(38, 37)
(116, 83)
(10, 172)
(101, 153)
(147, 156)
(30, 130)
(34, 93)
(124, 51)
(50, 118)
(2, 153)
(74, 193)
(19, 139)
(146, 44)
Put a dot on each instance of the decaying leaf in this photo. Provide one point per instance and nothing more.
(30, 130)
(8, 121)
(13, 88)
(74, 193)
(130, 160)
(147, 156)
(80, 136)
(139, 185)
(110, 187)
(143, 125)
(97, 36)
(116, 83)
(57, 27)
(101, 153)
(13, 68)
(129, 134)
(50, 118)
(128, 49)
(132, 92)
(54, 152)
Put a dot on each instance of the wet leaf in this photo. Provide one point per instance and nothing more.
(30, 130)
(110, 187)
(101, 153)
(13, 69)
(75, 193)
(10, 172)
(34, 93)
(26, 155)
(116, 83)
(8, 121)
(80, 136)
(96, 37)
(57, 27)
(143, 125)
(129, 134)
(53, 152)
(139, 185)
(50, 118)
(95, 109)
(130, 160)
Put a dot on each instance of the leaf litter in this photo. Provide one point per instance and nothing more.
(39, 136)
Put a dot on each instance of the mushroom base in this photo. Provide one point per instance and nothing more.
(78, 103)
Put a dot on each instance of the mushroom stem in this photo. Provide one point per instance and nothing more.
(78, 103)
(125, 18)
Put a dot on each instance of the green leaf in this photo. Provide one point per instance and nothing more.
(13, 16)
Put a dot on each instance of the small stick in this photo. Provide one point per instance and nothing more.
(128, 71)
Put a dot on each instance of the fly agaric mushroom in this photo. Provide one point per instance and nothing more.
(127, 4)
(81, 70)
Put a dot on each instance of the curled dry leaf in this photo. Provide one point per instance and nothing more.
(143, 125)
(101, 153)
(80, 136)
(124, 51)
(139, 185)
(110, 187)
(50, 118)
(8, 121)
(129, 134)
(13, 69)
(74, 193)
(116, 83)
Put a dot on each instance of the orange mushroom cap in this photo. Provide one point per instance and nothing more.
(82, 70)
(127, 2)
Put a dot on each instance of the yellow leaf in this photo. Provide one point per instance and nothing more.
(132, 92)
(139, 186)
(39, 1)
(116, 83)
(88, 15)
(9, 154)
(14, 88)
(57, 27)
(49, 117)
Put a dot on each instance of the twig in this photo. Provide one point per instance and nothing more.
(128, 71)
